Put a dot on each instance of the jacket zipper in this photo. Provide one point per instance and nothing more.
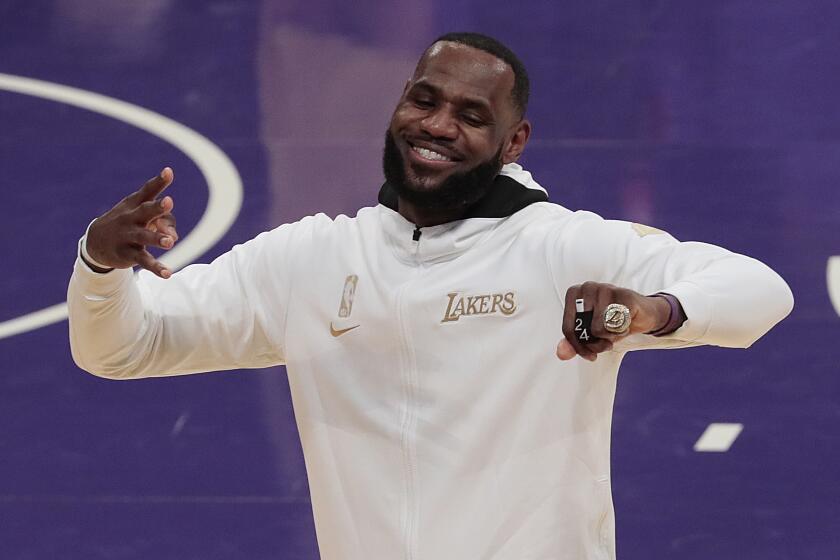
(409, 418)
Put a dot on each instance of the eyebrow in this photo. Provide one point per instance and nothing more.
(467, 101)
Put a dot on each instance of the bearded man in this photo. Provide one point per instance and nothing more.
(453, 351)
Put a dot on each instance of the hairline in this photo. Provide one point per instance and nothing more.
(519, 111)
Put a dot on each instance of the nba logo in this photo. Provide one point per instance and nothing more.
(347, 294)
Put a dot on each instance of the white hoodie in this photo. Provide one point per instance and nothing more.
(435, 419)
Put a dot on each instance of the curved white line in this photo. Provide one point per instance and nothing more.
(832, 275)
(223, 181)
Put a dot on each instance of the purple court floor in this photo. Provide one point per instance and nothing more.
(717, 121)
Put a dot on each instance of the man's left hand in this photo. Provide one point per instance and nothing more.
(647, 314)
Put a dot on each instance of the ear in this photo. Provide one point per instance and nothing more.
(516, 144)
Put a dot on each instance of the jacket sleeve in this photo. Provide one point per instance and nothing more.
(729, 299)
(224, 315)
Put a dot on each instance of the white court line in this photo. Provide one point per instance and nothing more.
(718, 437)
(223, 181)
(832, 275)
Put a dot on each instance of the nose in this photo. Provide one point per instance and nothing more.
(440, 124)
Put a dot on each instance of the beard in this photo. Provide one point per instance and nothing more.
(459, 190)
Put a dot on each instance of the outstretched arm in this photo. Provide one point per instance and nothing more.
(727, 299)
(224, 315)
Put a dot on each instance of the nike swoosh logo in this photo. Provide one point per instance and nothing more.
(337, 333)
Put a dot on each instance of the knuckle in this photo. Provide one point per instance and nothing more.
(590, 288)
(139, 237)
(623, 295)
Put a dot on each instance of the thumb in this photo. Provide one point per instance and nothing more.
(565, 350)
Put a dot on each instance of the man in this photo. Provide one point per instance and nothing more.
(420, 337)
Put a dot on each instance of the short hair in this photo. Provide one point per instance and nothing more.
(521, 84)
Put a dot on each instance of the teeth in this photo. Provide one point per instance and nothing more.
(429, 154)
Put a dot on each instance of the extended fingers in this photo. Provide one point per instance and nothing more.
(117, 237)
(147, 261)
(164, 224)
(151, 188)
(154, 186)
(145, 237)
(151, 210)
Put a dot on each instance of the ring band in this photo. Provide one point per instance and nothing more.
(617, 318)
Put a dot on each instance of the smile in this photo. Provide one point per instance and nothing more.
(430, 155)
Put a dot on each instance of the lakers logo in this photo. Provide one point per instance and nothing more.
(486, 304)
(347, 295)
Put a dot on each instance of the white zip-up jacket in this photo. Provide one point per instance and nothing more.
(436, 421)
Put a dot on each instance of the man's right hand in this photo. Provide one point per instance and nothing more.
(119, 237)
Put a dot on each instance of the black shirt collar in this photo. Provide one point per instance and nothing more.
(507, 196)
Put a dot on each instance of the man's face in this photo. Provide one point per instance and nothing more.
(454, 126)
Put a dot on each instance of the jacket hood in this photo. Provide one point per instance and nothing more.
(513, 189)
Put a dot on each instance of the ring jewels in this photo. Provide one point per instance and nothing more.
(617, 318)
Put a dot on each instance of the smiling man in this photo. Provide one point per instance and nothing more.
(439, 415)
(459, 120)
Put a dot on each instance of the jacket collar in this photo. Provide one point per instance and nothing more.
(513, 189)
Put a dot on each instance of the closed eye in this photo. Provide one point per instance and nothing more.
(424, 103)
(473, 120)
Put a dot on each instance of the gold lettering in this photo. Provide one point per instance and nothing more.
(459, 308)
(509, 305)
(485, 304)
(497, 300)
(471, 309)
(449, 316)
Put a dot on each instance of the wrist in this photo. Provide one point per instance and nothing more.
(673, 313)
(91, 263)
